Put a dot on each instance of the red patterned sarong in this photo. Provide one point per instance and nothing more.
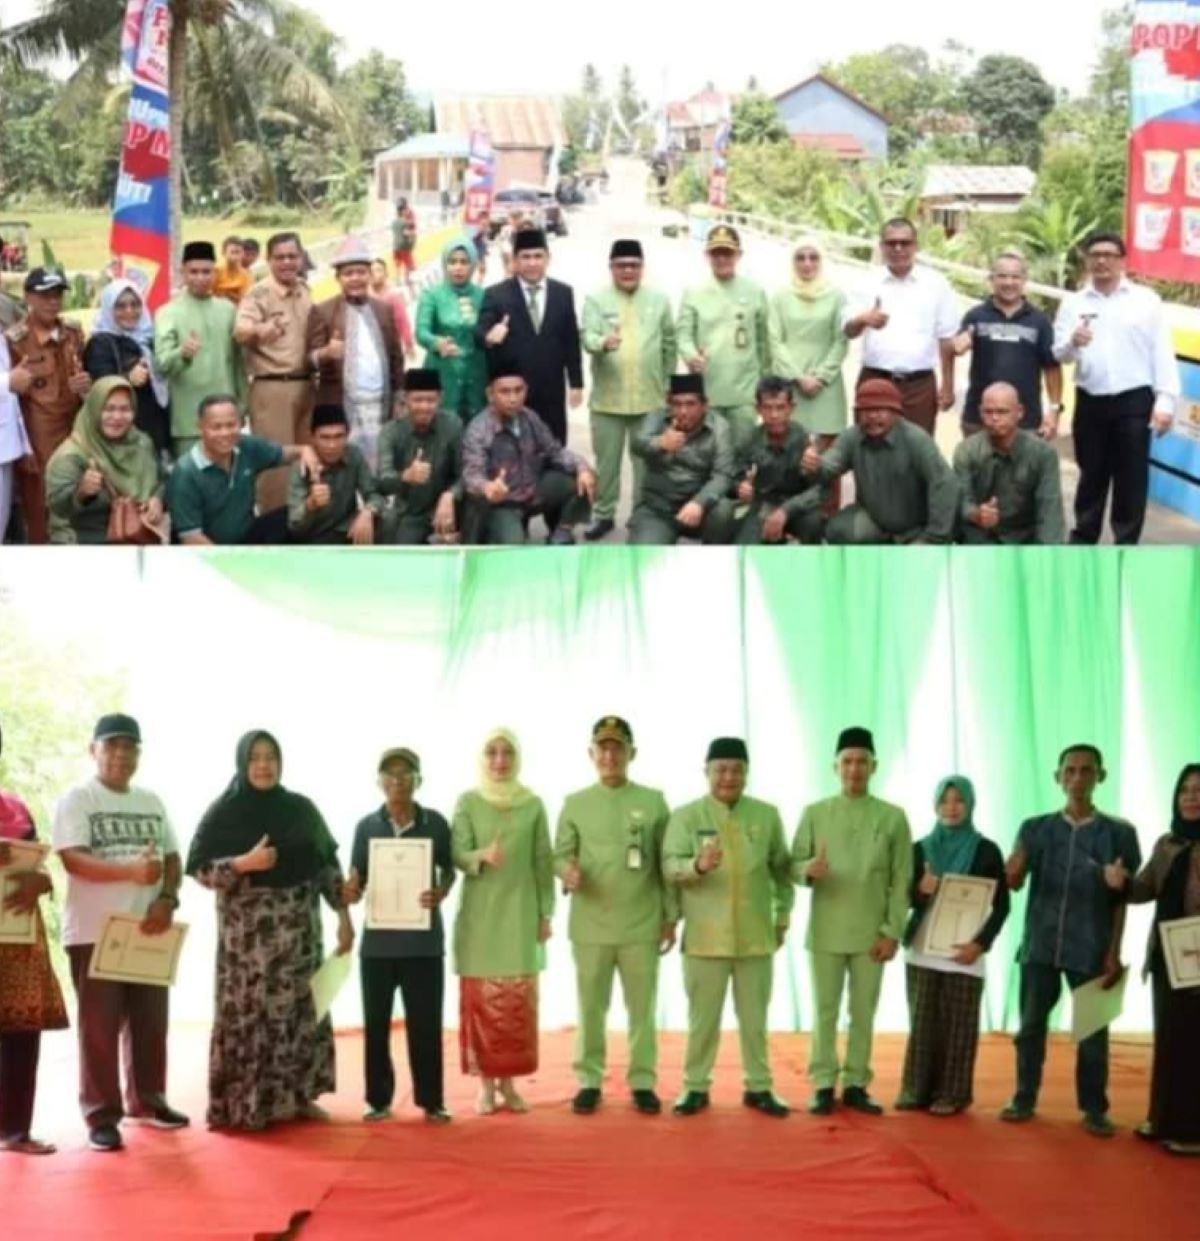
(498, 1026)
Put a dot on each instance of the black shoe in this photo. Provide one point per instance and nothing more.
(691, 1103)
(586, 1101)
(647, 1102)
(764, 1101)
(562, 537)
(163, 1117)
(1017, 1113)
(1098, 1125)
(823, 1103)
(437, 1116)
(600, 528)
(857, 1100)
(105, 1138)
(906, 1103)
(1146, 1132)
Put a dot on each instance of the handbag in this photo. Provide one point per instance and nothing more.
(127, 524)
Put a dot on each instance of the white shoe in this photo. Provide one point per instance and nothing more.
(485, 1100)
(512, 1100)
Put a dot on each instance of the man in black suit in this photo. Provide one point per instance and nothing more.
(528, 323)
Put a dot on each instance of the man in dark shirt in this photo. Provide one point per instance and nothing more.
(413, 961)
(1077, 861)
(337, 503)
(1012, 342)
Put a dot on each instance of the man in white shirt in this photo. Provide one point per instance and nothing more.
(908, 317)
(121, 857)
(1127, 384)
(15, 449)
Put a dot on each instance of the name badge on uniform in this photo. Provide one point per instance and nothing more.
(741, 337)
(635, 858)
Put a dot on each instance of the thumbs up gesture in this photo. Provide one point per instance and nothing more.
(818, 868)
(335, 351)
(987, 516)
(876, 318)
(698, 364)
(496, 492)
(810, 463)
(20, 379)
(92, 482)
(146, 868)
(191, 346)
(573, 876)
(418, 471)
(928, 884)
(672, 439)
(1116, 876)
(499, 334)
(746, 486)
(320, 494)
(493, 855)
(262, 857)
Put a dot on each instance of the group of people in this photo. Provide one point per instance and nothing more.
(734, 411)
(633, 870)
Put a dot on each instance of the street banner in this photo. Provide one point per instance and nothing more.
(480, 181)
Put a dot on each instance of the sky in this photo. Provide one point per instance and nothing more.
(675, 48)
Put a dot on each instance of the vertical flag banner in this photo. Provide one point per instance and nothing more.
(1163, 225)
(141, 219)
(480, 180)
(718, 180)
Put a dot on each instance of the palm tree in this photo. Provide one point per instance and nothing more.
(1052, 232)
(227, 44)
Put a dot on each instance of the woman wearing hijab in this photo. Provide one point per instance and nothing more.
(270, 858)
(446, 319)
(501, 841)
(105, 456)
(1171, 878)
(122, 344)
(30, 998)
(944, 995)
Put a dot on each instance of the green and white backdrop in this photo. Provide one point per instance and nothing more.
(980, 662)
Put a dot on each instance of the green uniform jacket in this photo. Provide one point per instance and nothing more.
(868, 846)
(349, 482)
(73, 520)
(734, 910)
(615, 904)
(1026, 482)
(452, 311)
(496, 931)
(727, 322)
(807, 339)
(778, 478)
(216, 369)
(702, 470)
(441, 446)
(633, 379)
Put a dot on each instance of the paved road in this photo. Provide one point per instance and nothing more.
(581, 259)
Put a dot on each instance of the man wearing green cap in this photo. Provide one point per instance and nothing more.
(723, 332)
(608, 853)
(728, 855)
(855, 852)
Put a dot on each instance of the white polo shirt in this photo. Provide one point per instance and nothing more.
(922, 310)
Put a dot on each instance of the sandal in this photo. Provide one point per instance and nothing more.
(28, 1146)
(944, 1109)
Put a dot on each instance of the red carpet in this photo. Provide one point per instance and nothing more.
(729, 1173)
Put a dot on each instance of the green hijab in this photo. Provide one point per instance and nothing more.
(128, 464)
(951, 850)
(464, 243)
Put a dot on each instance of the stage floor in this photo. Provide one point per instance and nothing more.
(728, 1173)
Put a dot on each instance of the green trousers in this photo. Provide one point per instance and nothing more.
(595, 965)
(829, 973)
(610, 435)
(706, 980)
(853, 526)
(742, 419)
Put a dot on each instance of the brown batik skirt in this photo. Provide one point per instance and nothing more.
(939, 1063)
(498, 1026)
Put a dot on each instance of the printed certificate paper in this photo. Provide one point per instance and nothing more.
(19, 928)
(1181, 948)
(399, 871)
(962, 905)
(125, 953)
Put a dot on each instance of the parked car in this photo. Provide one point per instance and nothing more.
(517, 200)
(552, 211)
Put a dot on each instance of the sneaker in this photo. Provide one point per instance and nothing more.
(105, 1138)
(1017, 1113)
(437, 1116)
(163, 1117)
(857, 1100)
(1098, 1125)
(375, 1114)
(599, 529)
(647, 1102)
(823, 1102)
(586, 1101)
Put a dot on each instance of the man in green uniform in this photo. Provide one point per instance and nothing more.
(630, 335)
(339, 502)
(855, 852)
(689, 470)
(723, 332)
(728, 855)
(608, 854)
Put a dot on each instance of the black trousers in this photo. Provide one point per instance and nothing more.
(558, 500)
(18, 1081)
(1112, 448)
(422, 984)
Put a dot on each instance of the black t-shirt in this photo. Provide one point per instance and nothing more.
(1009, 349)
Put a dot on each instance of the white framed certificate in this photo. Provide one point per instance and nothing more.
(125, 953)
(398, 873)
(24, 856)
(1181, 951)
(961, 907)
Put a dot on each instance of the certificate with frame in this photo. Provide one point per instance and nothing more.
(399, 872)
(1181, 952)
(125, 953)
(960, 909)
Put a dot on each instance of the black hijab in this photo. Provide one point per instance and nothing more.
(242, 815)
(1186, 832)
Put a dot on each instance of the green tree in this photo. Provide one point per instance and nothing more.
(629, 104)
(756, 122)
(1009, 98)
(376, 89)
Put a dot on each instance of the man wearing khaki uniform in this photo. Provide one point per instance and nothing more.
(272, 328)
(608, 854)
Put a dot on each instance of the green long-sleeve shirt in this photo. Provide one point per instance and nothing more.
(451, 312)
(351, 486)
(633, 379)
(441, 446)
(702, 470)
(1025, 481)
(778, 478)
(868, 846)
(901, 479)
(616, 903)
(726, 321)
(807, 340)
(732, 911)
(216, 369)
(496, 931)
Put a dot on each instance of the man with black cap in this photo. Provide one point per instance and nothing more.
(527, 325)
(905, 491)
(411, 961)
(338, 501)
(723, 333)
(728, 855)
(513, 467)
(419, 465)
(46, 373)
(689, 470)
(630, 334)
(194, 345)
(119, 850)
(608, 853)
(855, 852)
